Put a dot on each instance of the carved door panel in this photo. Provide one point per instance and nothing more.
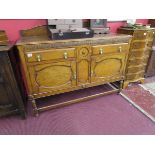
(54, 76)
(108, 67)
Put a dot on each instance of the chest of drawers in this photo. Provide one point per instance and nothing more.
(140, 50)
(54, 67)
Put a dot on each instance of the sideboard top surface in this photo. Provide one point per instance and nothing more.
(40, 35)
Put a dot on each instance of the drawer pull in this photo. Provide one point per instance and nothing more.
(120, 49)
(65, 55)
(101, 51)
(38, 57)
(74, 76)
(144, 34)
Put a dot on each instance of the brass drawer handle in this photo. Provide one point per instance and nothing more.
(101, 51)
(65, 55)
(38, 57)
(120, 49)
(74, 76)
(144, 34)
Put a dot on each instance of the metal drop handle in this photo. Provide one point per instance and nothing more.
(38, 57)
(74, 76)
(65, 55)
(120, 49)
(101, 51)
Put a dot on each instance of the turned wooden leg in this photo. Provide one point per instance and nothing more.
(121, 86)
(34, 106)
(125, 84)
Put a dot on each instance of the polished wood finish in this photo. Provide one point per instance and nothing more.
(150, 70)
(151, 65)
(140, 50)
(3, 38)
(11, 101)
(52, 67)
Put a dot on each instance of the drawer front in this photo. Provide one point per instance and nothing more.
(140, 35)
(139, 53)
(150, 43)
(50, 55)
(136, 69)
(135, 76)
(151, 34)
(138, 44)
(134, 62)
(117, 48)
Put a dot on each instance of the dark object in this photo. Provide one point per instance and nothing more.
(68, 34)
(11, 101)
(152, 22)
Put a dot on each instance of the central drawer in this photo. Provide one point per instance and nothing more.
(53, 54)
(115, 48)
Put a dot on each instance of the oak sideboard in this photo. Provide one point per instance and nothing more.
(57, 66)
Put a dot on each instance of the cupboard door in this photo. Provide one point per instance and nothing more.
(108, 67)
(54, 76)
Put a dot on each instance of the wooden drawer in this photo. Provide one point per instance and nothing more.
(53, 54)
(140, 35)
(139, 53)
(116, 48)
(150, 44)
(134, 61)
(136, 69)
(138, 44)
(151, 34)
(135, 76)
